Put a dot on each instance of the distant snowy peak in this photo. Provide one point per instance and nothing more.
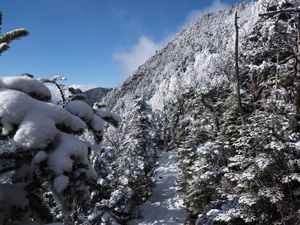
(201, 56)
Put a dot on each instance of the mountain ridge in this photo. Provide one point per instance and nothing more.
(187, 58)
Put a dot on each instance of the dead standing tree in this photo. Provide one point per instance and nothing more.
(296, 56)
(238, 92)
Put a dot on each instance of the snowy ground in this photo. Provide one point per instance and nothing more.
(166, 207)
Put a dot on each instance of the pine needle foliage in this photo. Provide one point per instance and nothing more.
(10, 36)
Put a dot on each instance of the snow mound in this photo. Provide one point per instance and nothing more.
(70, 148)
(27, 85)
(80, 109)
(36, 121)
(61, 183)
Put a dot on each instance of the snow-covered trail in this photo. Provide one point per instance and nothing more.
(166, 207)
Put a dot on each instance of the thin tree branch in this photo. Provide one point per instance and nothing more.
(54, 80)
(287, 59)
(296, 101)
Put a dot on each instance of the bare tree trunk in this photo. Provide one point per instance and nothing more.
(237, 70)
(296, 102)
(298, 47)
(212, 113)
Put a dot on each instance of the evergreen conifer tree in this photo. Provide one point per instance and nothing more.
(137, 158)
(248, 174)
(50, 166)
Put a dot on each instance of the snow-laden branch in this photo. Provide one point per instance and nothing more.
(13, 35)
(27, 85)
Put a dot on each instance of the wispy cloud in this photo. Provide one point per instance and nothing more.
(137, 54)
(214, 7)
(140, 52)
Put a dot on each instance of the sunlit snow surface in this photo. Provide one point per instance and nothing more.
(166, 207)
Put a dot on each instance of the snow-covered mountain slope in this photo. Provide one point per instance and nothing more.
(201, 56)
(229, 172)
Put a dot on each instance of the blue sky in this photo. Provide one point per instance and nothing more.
(93, 42)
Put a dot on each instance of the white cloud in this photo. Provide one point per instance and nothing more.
(214, 7)
(84, 87)
(138, 54)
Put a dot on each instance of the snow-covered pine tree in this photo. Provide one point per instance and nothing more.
(136, 160)
(48, 173)
(193, 127)
(141, 133)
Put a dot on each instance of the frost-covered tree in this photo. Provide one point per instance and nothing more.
(191, 120)
(136, 160)
(249, 174)
(48, 174)
(141, 133)
(193, 128)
